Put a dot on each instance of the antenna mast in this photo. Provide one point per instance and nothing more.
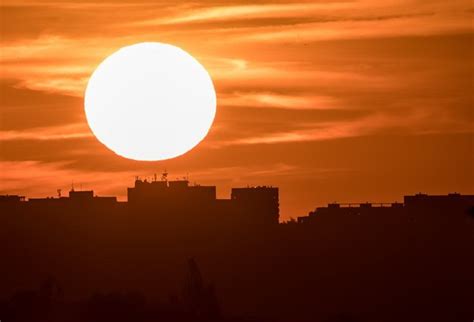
(164, 176)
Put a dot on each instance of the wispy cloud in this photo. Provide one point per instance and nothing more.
(372, 28)
(43, 65)
(64, 132)
(276, 100)
(232, 12)
(377, 123)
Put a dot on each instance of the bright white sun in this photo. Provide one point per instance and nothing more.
(150, 101)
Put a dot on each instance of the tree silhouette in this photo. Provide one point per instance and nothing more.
(198, 299)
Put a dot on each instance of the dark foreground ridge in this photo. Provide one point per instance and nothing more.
(88, 258)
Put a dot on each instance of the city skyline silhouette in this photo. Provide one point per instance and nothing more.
(165, 192)
(99, 259)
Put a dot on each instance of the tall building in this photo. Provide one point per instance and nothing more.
(252, 205)
(257, 200)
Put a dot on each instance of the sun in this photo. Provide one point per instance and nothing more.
(150, 101)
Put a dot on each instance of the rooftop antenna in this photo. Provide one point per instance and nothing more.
(72, 186)
(154, 177)
(59, 193)
(164, 176)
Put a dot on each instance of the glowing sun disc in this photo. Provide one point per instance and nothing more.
(150, 101)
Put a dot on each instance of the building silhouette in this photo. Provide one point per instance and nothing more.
(251, 205)
(164, 200)
(419, 205)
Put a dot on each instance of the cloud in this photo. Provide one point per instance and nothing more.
(234, 12)
(22, 108)
(43, 64)
(302, 22)
(276, 100)
(411, 122)
(396, 26)
(69, 131)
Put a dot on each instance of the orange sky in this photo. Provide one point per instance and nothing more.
(328, 100)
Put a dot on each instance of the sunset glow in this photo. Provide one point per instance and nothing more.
(218, 161)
